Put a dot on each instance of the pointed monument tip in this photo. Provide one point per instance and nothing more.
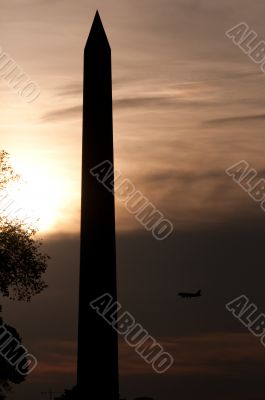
(97, 22)
(97, 16)
(97, 29)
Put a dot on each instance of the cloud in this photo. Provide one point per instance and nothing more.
(243, 118)
(71, 89)
(62, 114)
(151, 102)
(223, 366)
(56, 360)
(220, 354)
(130, 102)
(204, 338)
(146, 102)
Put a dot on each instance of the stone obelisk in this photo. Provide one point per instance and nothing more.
(97, 372)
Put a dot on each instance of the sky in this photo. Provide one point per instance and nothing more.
(188, 104)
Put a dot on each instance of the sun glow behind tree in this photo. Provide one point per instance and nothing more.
(36, 198)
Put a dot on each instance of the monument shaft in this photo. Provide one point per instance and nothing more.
(97, 341)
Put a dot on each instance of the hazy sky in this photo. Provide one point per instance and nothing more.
(178, 84)
(188, 104)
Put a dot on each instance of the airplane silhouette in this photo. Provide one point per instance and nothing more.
(189, 295)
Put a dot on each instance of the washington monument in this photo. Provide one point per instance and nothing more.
(97, 372)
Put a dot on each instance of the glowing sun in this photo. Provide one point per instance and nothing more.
(39, 196)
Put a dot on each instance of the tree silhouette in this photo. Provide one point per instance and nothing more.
(21, 262)
(72, 395)
(68, 395)
(21, 268)
(144, 398)
(7, 173)
(8, 373)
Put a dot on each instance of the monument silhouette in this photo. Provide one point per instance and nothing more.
(97, 370)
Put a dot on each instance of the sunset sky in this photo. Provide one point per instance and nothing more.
(188, 103)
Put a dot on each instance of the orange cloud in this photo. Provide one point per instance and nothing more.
(56, 361)
(209, 354)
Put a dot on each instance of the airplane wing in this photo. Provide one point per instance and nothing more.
(184, 295)
(188, 295)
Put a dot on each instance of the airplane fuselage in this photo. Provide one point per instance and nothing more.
(189, 295)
